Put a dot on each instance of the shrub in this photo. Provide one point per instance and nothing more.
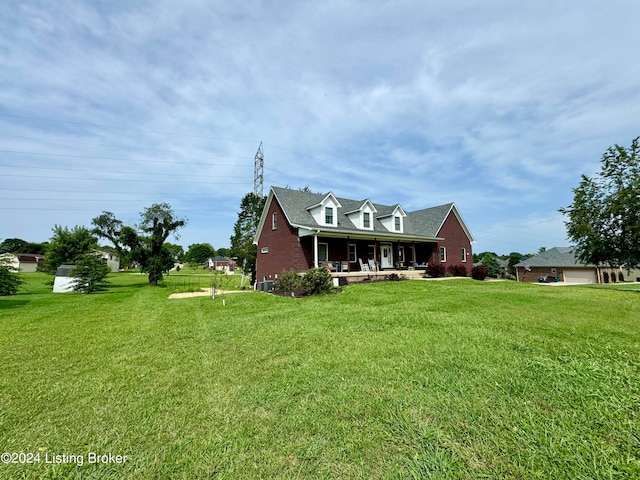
(479, 272)
(457, 270)
(10, 281)
(91, 272)
(620, 277)
(317, 280)
(435, 270)
(288, 281)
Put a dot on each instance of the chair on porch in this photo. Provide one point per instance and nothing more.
(363, 266)
(373, 265)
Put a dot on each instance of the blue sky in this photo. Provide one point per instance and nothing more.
(498, 106)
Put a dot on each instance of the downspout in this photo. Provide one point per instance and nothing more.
(315, 249)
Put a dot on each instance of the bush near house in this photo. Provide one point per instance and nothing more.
(288, 281)
(479, 272)
(457, 270)
(317, 280)
(435, 270)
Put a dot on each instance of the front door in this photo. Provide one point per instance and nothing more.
(386, 253)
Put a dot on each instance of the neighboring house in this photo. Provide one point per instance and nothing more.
(112, 259)
(221, 263)
(24, 262)
(561, 263)
(300, 230)
(64, 280)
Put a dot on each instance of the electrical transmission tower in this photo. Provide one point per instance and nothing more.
(258, 173)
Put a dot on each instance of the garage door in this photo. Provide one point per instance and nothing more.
(579, 276)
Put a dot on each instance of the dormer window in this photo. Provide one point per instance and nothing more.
(325, 212)
(361, 217)
(328, 215)
(394, 220)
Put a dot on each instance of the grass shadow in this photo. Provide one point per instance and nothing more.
(8, 303)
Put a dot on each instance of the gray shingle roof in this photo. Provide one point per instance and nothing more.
(554, 257)
(421, 223)
(65, 271)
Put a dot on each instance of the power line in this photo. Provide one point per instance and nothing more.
(115, 179)
(117, 159)
(112, 145)
(93, 170)
(66, 190)
(122, 128)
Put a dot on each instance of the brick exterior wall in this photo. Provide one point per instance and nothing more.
(288, 251)
(285, 250)
(455, 239)
(533, 273)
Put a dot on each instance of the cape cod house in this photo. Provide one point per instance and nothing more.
(300, 230)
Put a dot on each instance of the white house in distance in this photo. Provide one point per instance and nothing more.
(23, 262)
(111, 258)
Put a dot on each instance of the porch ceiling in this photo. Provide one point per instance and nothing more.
(357, 235)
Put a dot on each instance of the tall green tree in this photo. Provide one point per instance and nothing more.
(176, 251)
(514, 257)
(66, 245)
(199, 253)
(244, 231)
(490, 261)
(14, 245)
(604, 218)
(157, 222)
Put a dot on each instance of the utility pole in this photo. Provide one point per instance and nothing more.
(258, 173)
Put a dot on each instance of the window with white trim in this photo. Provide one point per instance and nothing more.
(463, 254)
(397, 223)
(323, 252)
(366, 220)
(443, 254)
(328, 215)
(274, 221)
(353, 258)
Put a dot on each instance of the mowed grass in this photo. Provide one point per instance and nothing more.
(415, 379)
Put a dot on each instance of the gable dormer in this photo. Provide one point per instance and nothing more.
(325, 212)
(394, 221)
(362, 217)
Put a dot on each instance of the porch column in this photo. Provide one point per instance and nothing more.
(315, 250)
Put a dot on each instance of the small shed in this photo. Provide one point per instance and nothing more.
(64, 280)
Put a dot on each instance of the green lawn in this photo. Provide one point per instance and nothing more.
(415, 379)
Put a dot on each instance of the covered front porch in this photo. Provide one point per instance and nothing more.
(369, 257)
(363, 276)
